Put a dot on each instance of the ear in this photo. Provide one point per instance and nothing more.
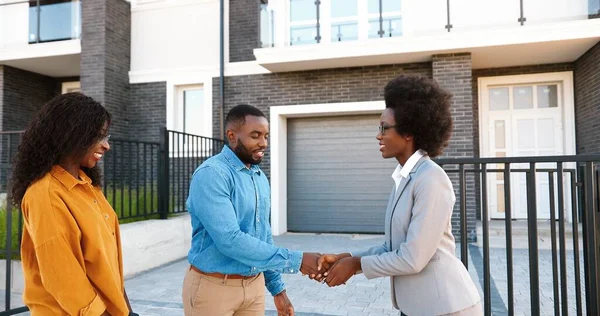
(231, 136)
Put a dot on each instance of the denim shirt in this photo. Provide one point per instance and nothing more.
(229, 205)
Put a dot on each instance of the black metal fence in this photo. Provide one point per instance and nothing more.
(142, 180)
(181, 153)
(571, 183)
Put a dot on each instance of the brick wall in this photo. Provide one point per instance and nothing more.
(244, 27)
(587, 101)
(453, 72)
(105, 57)
(23, 93)
(309, 87)
(148, 110)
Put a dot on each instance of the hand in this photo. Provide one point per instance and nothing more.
(309, 264)
(283, 305)
(324, 263)
(343, 270)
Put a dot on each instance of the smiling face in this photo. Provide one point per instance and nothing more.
(96, 151)
(250, 139)
(392, 144)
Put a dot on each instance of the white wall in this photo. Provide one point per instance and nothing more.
(153, 243)
(14, 24)
(172, 35)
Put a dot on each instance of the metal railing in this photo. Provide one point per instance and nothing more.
(301, 22)
(572, 183)
(11, 219)
(181, 154)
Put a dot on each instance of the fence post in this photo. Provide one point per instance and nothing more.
(163, 174)
(590, 233)
(8, 250)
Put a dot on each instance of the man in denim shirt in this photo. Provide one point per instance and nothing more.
(232, 256)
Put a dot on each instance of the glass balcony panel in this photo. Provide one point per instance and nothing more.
(54, 21)
(344, 8)
(344, 31)
(302, 10)
(300, 35)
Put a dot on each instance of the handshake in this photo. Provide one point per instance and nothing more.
(329, 268)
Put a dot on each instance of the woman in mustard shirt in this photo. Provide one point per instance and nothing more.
(71, 247)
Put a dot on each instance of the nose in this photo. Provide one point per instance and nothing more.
(379, 136)
(263, 142)
(105, 145)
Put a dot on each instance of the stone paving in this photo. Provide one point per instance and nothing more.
(158, 292)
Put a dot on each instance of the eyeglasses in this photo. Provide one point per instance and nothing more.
(383, 127)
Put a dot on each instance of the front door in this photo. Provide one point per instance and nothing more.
(524, 119)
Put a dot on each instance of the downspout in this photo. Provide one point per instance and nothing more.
(222, 68)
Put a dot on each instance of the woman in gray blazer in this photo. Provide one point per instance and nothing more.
(419, 250)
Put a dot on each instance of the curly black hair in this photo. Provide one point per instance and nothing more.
(421, 109)
(66, 126)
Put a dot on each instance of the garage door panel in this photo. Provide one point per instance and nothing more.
(330, 183)
(329, 173)
(314, 142)
(339, 203)
(337, 179)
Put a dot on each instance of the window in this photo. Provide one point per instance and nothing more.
(54, 20)
(71, 86)
(342, 20)
(303, 22)
(267, 16)
(190, 115)
(390, 24)
(192, 107)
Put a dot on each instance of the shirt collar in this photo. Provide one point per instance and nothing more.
(403, 171)
(235, 161)
(67, 179)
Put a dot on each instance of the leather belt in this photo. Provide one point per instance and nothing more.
(221, 275)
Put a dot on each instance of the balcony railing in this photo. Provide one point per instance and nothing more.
(39, 21)
(300, 22)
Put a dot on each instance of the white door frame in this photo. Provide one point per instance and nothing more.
(278, 121)
(568, 106)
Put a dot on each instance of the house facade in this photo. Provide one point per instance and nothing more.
(525, 79)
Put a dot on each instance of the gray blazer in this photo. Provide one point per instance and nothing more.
(419, 250)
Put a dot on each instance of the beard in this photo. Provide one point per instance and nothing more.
(245, 154)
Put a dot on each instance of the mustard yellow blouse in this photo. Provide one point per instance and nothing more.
(71, 248)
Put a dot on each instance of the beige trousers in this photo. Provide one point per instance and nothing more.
(208, 296)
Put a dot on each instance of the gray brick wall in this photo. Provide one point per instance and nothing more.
(587, 101)
(148, 110)
(309, 87)
(244, 27)
(105, 57)
(453, 72)
(23, 93)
